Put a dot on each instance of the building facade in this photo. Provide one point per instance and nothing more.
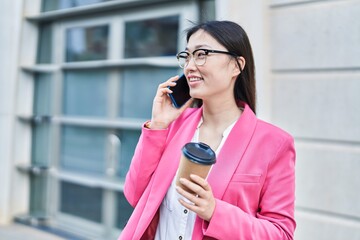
(77, 80)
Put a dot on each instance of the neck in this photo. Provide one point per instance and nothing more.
(220, 114)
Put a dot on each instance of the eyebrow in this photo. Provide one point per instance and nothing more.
(199, 46)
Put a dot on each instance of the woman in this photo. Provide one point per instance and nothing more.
(249, 192)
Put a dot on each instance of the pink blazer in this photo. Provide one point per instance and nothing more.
(253, 180)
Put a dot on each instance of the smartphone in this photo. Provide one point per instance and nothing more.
(180, 94)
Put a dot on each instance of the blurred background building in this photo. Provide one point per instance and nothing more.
(78, 77)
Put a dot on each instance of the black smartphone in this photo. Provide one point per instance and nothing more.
(180, 94)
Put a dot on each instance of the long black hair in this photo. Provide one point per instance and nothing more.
(233, 37)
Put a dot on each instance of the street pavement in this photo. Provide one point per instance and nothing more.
(17, 231)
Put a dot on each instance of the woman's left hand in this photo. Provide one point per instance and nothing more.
(203, 203)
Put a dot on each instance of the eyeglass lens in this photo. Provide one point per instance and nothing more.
(199, 57)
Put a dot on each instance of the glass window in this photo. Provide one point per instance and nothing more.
(50, 5)
(38, 195)
(207, 10)
(151, 37)
(44, 54)
(85, 93)
(138, 88)
(42, 94)
(83, 149)
(40, 157)
(40, 144)
(41, 127)
(129, 139)
(86, 44)
(81, 201)
(123, 210)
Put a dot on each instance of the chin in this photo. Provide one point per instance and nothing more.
(195, 94)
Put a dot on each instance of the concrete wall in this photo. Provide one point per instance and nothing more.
(10, 27)
(312, 87)
(253, 17)
(316, 82)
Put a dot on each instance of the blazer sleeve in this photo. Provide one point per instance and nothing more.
(145, 160)
(275, 216)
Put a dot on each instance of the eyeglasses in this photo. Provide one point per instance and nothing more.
(199, 56)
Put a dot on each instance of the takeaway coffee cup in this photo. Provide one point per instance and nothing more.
(196, 158)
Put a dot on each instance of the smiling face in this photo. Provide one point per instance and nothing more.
(214, 80)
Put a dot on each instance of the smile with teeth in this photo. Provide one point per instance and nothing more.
(195, 79)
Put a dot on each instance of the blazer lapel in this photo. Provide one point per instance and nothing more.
(232, 152)
(171, 156)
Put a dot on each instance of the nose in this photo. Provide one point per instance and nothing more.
(191, 65)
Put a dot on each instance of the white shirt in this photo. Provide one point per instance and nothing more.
(177, 222)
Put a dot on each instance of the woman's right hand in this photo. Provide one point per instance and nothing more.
(163, 112)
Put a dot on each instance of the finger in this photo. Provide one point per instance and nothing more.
(198, 190)
(166, 86)
(192, 200)
(170, 82)
(189, 206)
(165, 90)
(159, 95)
(200, 181)
(189, 196)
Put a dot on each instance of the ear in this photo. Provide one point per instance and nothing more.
(239, 62)
(242, 62)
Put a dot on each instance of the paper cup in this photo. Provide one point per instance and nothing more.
(196, 158)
